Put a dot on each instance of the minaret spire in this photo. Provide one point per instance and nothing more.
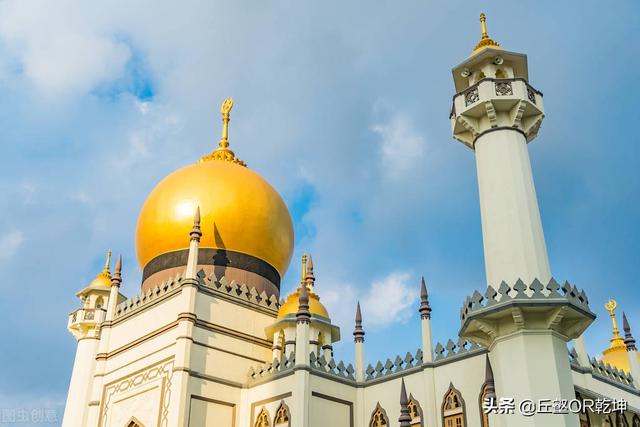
(611, 307)
(303, 314)
(425, 308)
(485, 40)
(116, 279)
(223, 152)
(107, 264)
(488, 379)
(310, 277)
(405, 417)
(192, 260)
(629, 341)
(358, 332)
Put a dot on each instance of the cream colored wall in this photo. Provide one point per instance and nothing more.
(324, 413)
(210, 413)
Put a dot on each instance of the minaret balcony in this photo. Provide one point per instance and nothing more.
(85, 316)
(493, 104)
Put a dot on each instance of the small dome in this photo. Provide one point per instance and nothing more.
(102, 279)
(290, 306)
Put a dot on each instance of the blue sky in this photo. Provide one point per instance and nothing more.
(343, 107)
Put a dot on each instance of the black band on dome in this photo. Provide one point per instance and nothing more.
(217, 257)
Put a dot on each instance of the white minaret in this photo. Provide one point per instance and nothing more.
(84, 324)
(525, 323)
(497, 113)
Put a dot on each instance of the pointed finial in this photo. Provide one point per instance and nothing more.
(405, 417)
(611, 308)
(303, 270)
(358, 332)
(196, 232)
(223, 152)
(425, 308)
(107, 264)
(485, 40)
(629, 341)
(116, 280)
(310, 277)
(488, 380)
(303, 314)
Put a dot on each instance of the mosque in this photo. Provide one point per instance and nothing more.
(210, 341)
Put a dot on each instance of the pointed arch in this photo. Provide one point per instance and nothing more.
(134, 422)
(283, 415)
(621, 420)
(635, 422)
(484, 417)
(415, 411)
(379, 417)
(99, 302)
(583, 415)
(500, 74)
(263, 418)
(453, 408)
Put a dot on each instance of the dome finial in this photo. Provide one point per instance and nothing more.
(611, 307)
(485, 40)
(107, 264)
(223, 152)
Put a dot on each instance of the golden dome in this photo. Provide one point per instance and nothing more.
(290, 306)
(240, 211)
(103, 279)
(616, 354)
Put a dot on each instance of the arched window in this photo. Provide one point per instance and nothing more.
(484, 417)
(621, 420)
(583, 415)
(263, 419)
(636, 421)
(99, 302)
(134, 422)
(415, 411)
(379, 417)
(500, 74)
(282, 416)
(453, 412)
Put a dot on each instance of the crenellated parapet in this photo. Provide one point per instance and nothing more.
(330, 367)
(454, 350)
(395, 366)
(269, 369)
(145, 298)
(238, 291)
(564, 309)
(609, 373)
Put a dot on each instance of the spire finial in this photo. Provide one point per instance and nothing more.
(107, 264)
(629, 341)
(405, 417)
(310, 278)
(611, 307)
(225, 110)
(223, 152)
(117, 274)
(303, 314)
(485, 40)
(303, 279)
(425, 308)
(196, 232)
(488, 380)
(358, 332)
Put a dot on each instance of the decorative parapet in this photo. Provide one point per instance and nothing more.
(231, 289)
(238, 291)
(144, 298)
(535, 293)
(608, 372)
(573, 358)
(271, 368)
(392, 367)
(339, 370)
(453, 349)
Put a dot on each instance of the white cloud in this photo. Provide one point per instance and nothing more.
(9, 243)
(402, 147)
(61, 53)
(385, 301)
(388, 300)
